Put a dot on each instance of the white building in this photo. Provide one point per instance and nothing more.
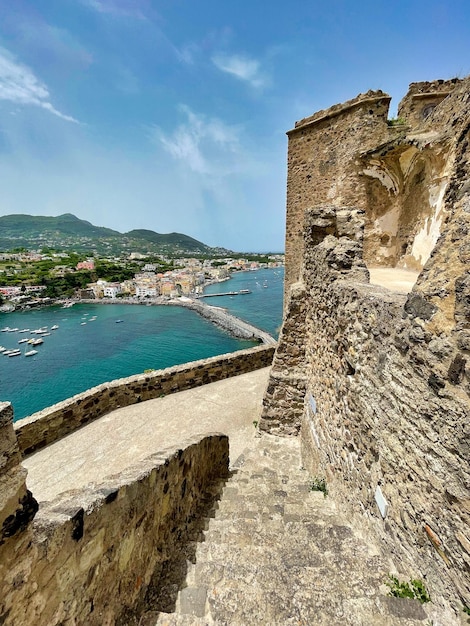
(141, 291)
(111, 290)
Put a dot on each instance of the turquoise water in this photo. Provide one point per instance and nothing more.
(83, 352)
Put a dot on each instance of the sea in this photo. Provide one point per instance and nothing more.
(97, 343)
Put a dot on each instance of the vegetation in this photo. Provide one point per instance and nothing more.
(396, 121)
(414, 590)
(68, 232)
(319, 484)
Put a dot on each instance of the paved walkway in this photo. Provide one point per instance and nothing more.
(120, 439)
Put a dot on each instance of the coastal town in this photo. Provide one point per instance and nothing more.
(29, 279)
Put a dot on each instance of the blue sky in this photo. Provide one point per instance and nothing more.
(171, 114)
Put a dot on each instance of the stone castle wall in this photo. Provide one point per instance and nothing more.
(386, 378)
(95, 556)
(351, 155)
(386, 407)
(321, 167)
(55, 422)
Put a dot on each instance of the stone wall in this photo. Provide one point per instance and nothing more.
(397, 171)
(386, 377)
(422, 99)
(386, 407)
(284, 397)
(321, 165)
(49, 425)
(96, 556)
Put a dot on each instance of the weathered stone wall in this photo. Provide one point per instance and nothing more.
(387, 405)
(49, 425)
(422, 98)
(96, 556)
(17, 506)
(351, 155)
(321, 165)
(284, 397)
(387, 378)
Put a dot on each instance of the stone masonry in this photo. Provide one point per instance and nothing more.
(385, 415)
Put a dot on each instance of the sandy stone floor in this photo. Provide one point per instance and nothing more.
(393, 278)
(120, 439)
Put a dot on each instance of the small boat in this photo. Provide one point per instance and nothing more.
(119, 321)
(24, 330)
(5, 330)
(13, 330)
(31, 353)
(23, 340)
(55, 327)
(2, 348)
(15, 352)
(83, 324)
(244, 291)
(36, 342)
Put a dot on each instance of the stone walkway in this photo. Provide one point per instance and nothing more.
(274, 552)
(122, 438)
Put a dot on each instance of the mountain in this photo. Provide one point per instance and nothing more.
(68, 232)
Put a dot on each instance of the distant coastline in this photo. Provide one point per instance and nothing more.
(219, 316)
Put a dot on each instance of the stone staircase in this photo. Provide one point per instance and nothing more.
(275, 552)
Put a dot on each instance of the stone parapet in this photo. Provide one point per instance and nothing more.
(17, 506)
(94, 556)
(362, 99)
(385, 416)
(49, 425)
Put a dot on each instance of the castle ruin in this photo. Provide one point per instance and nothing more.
(377, 383)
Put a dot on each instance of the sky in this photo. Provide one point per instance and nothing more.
(171, 115)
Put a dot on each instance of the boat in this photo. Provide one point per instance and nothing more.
(5, 330)
(2, 348)
(244, 291)
(55, 327)
(23, 340)
(16, 352)
(31, 353)
(83, 324)
(119, 321)
(36, 342)
(13, 330)
(24, 330)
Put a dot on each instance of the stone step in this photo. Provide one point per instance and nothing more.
(274, 552)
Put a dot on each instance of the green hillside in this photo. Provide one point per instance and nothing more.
(68, 232)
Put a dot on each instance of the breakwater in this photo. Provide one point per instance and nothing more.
(226, 321)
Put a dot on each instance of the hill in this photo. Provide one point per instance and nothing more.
(68, 232)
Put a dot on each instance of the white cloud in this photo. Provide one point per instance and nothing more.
(117, 8)
(242, 68)
(18, 84)
(206, 146)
